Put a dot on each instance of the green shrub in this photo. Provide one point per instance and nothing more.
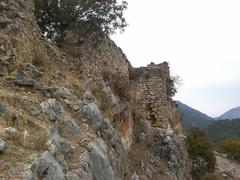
(201, 153)
(232, 148)
(90, 17)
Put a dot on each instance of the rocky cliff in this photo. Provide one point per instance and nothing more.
(81, 111)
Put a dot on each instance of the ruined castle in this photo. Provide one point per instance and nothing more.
(59, 118)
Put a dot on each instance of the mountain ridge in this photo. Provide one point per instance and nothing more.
(233, 113)
(192, 117)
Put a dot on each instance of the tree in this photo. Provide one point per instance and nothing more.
(201, 153)
(232, 148)
(94, 18)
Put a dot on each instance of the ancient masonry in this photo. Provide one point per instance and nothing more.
(91, 60)
(36, 75)
(153, 99)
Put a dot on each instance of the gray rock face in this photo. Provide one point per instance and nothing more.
(3, 146)
(61, 145)
(99, 164)
(92, 114)
(37, 73)
(107, 131)
(2, 108)
(69, 126)
(88, 97)
(4, 22)
(53, 131)
(89, 111)
(9, 131)
(135, 177)
(142, 137)
(47, 91)
(52, 107)
(117, 154)
(24, 82)
(3, 6)
(63, 92)
(47, 168)
(57, 144)
(79, 174)
(165, 145)
(61, 160)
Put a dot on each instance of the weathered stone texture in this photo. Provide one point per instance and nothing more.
(91, 60)
(50, 93)
(152, 97)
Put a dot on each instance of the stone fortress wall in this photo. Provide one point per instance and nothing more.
(91, 60)
(152, 96)
(21, 44)
(151, 82)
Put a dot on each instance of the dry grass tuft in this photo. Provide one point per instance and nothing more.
(40, 58)
(119, 84)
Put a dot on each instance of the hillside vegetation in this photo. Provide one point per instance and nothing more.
(218, 131)
(192, 117)
(201, 153)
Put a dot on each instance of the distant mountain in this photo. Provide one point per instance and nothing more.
(192, 117)
(231, 114)
(217, 131)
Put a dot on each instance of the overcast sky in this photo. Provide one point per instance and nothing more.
(200, 39)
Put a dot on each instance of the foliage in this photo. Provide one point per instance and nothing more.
(221, 130)
(232, 148)
(201, 153)
(172, 85)
(91, 17)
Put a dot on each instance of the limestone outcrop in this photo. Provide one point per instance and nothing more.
(80, 111)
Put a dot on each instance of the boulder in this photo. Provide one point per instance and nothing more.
(57, 144)
(135, 176)
(98, 162)
(3, 6)
(88, 97)
(79, 174)
(107, 131)
(9, 131)
(68, 126)
(91, 114)
(3, 146)
(52, 107)
(47, 91)
(63, 92)
(61, 145)
(24, 82)
(61, 160)
(53, 131)
(2, 108)
(4, 22)
(141, 137)
(47, 168)
(37, 73)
